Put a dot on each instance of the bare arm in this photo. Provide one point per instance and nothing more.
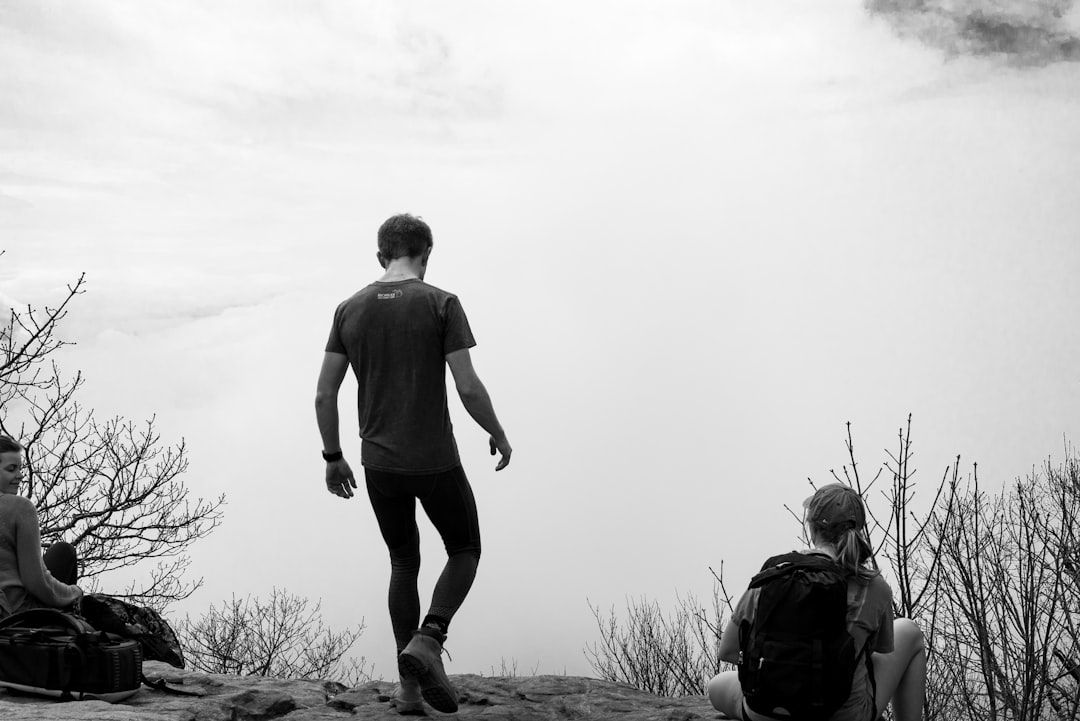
(729, 644)
(477, 402)
(339, 476)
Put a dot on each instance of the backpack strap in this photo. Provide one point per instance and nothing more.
(789, 562)
(790, 557)
(46, 618)
(873, 681)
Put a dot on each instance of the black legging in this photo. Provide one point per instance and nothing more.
(62, 562)
(448, 501)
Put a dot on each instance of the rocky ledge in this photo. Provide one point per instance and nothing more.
(255, 698)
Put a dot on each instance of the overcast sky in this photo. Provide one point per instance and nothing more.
(693, 240)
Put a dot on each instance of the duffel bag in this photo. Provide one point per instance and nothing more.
(51, 653)
(145, 625)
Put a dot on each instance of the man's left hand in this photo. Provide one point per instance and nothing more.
(339, 478)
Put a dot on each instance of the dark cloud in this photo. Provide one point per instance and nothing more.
(1023, 31)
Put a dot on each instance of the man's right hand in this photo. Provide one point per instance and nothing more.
(502, 446)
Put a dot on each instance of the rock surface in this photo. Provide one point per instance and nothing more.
(254, 698)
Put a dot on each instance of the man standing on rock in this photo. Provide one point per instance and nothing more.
(399, 334)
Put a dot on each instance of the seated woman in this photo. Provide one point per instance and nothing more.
(836, 524)
(28, 580)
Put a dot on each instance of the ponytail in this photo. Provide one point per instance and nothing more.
(853, 552)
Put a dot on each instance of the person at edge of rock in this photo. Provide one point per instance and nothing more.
(398, 334)
(835, 522)
(29, 579)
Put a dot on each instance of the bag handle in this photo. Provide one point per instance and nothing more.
(160, 684)
(44, 618)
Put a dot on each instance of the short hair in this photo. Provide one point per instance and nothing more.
(404, 236)
(9, 445)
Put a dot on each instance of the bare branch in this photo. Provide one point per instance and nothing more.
(283, 636)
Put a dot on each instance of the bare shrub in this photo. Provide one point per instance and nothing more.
(283, 636)
(1010, 607)
(669, 655)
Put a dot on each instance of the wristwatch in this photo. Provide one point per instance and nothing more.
(331, 457)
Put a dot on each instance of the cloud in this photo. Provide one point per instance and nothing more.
(9, 203)
(133, 132)
(182, 68)
(1027, 33)
(139, 299)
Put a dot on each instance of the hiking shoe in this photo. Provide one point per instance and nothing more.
(422, 660)
(408, 689)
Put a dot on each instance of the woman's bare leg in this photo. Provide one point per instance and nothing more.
(725, 694)
(900, 676)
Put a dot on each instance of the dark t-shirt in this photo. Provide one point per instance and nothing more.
(396, 336)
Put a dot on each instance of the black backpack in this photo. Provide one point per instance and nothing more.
(798, 655)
